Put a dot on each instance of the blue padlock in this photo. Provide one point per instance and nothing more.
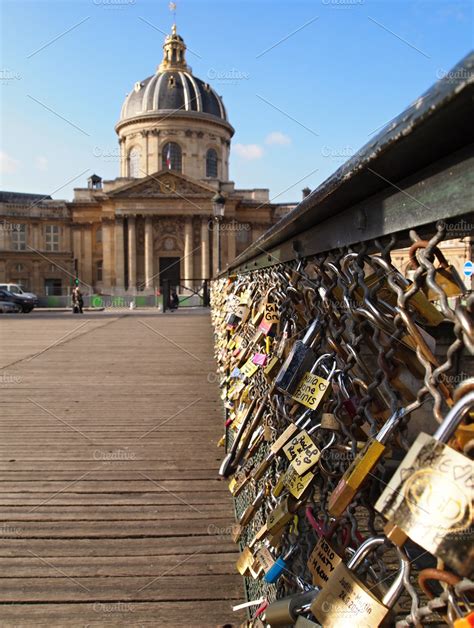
(278, 567)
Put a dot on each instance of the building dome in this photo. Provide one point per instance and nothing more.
(173, 88)
(173, 120)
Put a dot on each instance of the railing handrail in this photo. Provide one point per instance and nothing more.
(436, 127)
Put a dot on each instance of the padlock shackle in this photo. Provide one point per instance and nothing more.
(423, 244)
(367, 546)
(396, 588)
(312, 331)
(454, 418)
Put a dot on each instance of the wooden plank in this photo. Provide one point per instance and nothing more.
(90, 512)
(158, 587)
(110, 529)
(172, 614)
(82, 532)
(208, 543)
(194, 565)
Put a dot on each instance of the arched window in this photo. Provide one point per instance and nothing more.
(211, 164)
(134, 163)
(171, 156)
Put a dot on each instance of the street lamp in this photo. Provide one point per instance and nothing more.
(218, 209)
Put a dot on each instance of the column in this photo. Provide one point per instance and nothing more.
(188, 252)
(37, 288)
(77, 248)
(205, 225)
(119, 256)
(148, 253)
(4, 241)
(123, 158)
(107, 254)
(132, 255)
(146, 153)
(87, 266)
(36, 241)
(230, 257)
(215, 247)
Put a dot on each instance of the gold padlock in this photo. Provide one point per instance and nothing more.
(446, 277)
(347, 601)
(430, 495)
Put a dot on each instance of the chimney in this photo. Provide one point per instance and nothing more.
(306, 192)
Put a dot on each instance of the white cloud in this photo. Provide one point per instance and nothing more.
(249, 151)
(8, 164)
(41, 163)
(277, 137)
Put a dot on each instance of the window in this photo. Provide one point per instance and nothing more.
(52, 237)
(134, 163)
(53, 287)
(19, 238)
(211, 164)
(171, 156)
(98, 268)
(98, 234)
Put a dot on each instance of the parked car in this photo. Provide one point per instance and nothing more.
(26, 304)
(8, 307)
(17, 289)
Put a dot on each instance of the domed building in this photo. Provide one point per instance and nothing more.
(154, 222)
(173, 120)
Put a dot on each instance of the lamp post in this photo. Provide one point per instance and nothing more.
(218, 209)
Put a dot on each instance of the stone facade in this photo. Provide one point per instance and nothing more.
(153, 222)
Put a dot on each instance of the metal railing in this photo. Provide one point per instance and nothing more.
(191, 296)
(396, 343)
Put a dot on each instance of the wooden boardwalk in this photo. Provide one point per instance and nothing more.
(111, 511)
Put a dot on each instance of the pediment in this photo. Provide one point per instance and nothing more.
(161, 184)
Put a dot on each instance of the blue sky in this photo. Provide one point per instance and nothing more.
(305, 83)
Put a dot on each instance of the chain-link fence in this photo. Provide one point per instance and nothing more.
(356, 336)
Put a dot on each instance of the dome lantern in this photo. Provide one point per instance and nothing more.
(174, 50)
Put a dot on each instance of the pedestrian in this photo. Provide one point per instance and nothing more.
(77, 301)
(174, 302)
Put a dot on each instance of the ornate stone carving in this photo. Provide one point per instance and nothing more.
(166, 185)
(168, 234)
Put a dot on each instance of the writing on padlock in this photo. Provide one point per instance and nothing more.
(430, 496)
(322, 562)
(312, 388)
(346, 601)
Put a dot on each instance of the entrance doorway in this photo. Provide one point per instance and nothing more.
(53, 287)
(170, 270)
